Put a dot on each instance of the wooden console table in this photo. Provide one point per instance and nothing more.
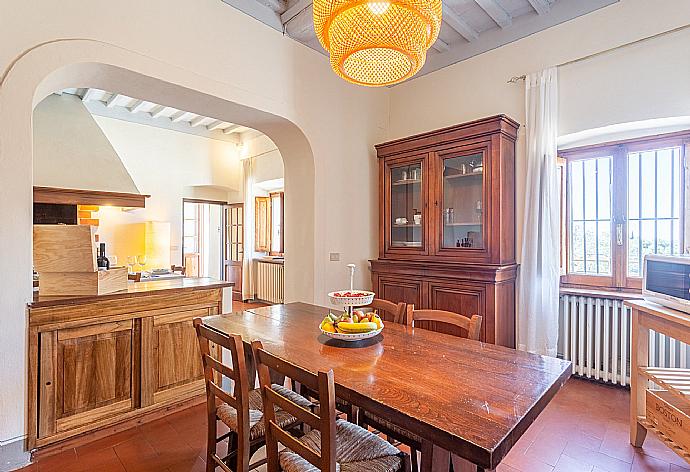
(668, 415)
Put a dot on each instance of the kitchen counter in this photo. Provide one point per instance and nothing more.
(100, 360)
(170, 286)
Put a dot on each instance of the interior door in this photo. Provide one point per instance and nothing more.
(234, 248)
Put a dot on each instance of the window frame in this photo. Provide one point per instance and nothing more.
(281, 197)
(619, 150)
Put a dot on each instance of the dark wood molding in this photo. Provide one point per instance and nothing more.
(472, 129)
(70, 196)
(203, 200)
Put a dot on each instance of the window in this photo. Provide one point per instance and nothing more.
(191, 226)
(269, 218)
(277, 211)
(623, 200)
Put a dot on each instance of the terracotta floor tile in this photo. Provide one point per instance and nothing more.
(644, 463)
(572, 434)
(568, 464)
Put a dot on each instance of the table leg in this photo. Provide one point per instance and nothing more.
(251, 366)
(436, 459)
(639, 354)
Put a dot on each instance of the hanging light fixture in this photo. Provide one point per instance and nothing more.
(377, 42)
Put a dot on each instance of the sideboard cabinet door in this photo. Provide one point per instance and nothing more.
(465, 298)
(86, 375)
(407, 289)
(171, 361)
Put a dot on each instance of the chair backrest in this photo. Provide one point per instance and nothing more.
(389, 311)
(215, 370)
(180, 269)
(446, 322)
(324, 422)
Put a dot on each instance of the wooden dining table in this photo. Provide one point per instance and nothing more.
(469, 401)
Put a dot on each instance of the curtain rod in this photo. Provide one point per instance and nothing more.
(606, 51)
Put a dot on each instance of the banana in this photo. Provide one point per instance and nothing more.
(353, 328)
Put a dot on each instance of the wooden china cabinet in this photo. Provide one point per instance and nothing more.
(447, 223)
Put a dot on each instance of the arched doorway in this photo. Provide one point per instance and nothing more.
(63, 63)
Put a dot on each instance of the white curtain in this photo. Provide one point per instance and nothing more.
(539, 267)
(248, 225)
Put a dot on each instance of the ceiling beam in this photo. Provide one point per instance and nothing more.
(88, 95)
(278, 6)
(197, 121)
(540, 6)
(214, 125)
(136, 106)
(453, 20)
(158, 111)
(440, 45)
(294, 10)
(301, 26)
(111, 101)
(496, 12)
(177, 116)
(231, 129)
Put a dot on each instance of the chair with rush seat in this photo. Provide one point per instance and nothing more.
(332, 444)
(241, 411)
(434, 320)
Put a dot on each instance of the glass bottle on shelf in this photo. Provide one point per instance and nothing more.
(405, 200)
(463, 195)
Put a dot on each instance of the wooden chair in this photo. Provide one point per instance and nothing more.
(318, 448)
(389, 311)
(446, 322)
(134, 277)
(176, 268)
(434, 320)
(241, 411)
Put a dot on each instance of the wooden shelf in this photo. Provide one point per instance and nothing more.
(459, 176)
(665, 439)
(676, 381)
(406, 182)
(407, 244)
(409, 225)
(464, 223)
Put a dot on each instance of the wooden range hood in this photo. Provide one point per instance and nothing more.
(68, 196)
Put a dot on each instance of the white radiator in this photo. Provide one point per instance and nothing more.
(595, 336)
(270, 280)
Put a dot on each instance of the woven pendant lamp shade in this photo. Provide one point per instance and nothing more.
(377, 43)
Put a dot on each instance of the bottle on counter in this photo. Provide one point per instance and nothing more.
(103, 262)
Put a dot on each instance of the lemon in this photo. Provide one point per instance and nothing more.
(328, 327)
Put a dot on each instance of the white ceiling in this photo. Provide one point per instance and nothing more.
(116, 105)
(470, 27)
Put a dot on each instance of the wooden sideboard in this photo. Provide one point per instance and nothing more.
(99, 360)
(447, 223)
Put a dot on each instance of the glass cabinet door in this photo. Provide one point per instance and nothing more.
(406, 205)
(462, 210)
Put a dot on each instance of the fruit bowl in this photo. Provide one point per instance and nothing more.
(351, 297)
(351, 327)
(352, 337)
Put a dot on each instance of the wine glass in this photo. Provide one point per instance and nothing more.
(131, 260)
(141, 260)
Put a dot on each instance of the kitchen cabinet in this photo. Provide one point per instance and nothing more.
(95, 361)
(447, 225)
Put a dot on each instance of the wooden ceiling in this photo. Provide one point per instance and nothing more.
(470, 27)
(117, 105)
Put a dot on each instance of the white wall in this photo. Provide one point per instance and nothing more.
(169, 166)
(649, 80)
(232, 68)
